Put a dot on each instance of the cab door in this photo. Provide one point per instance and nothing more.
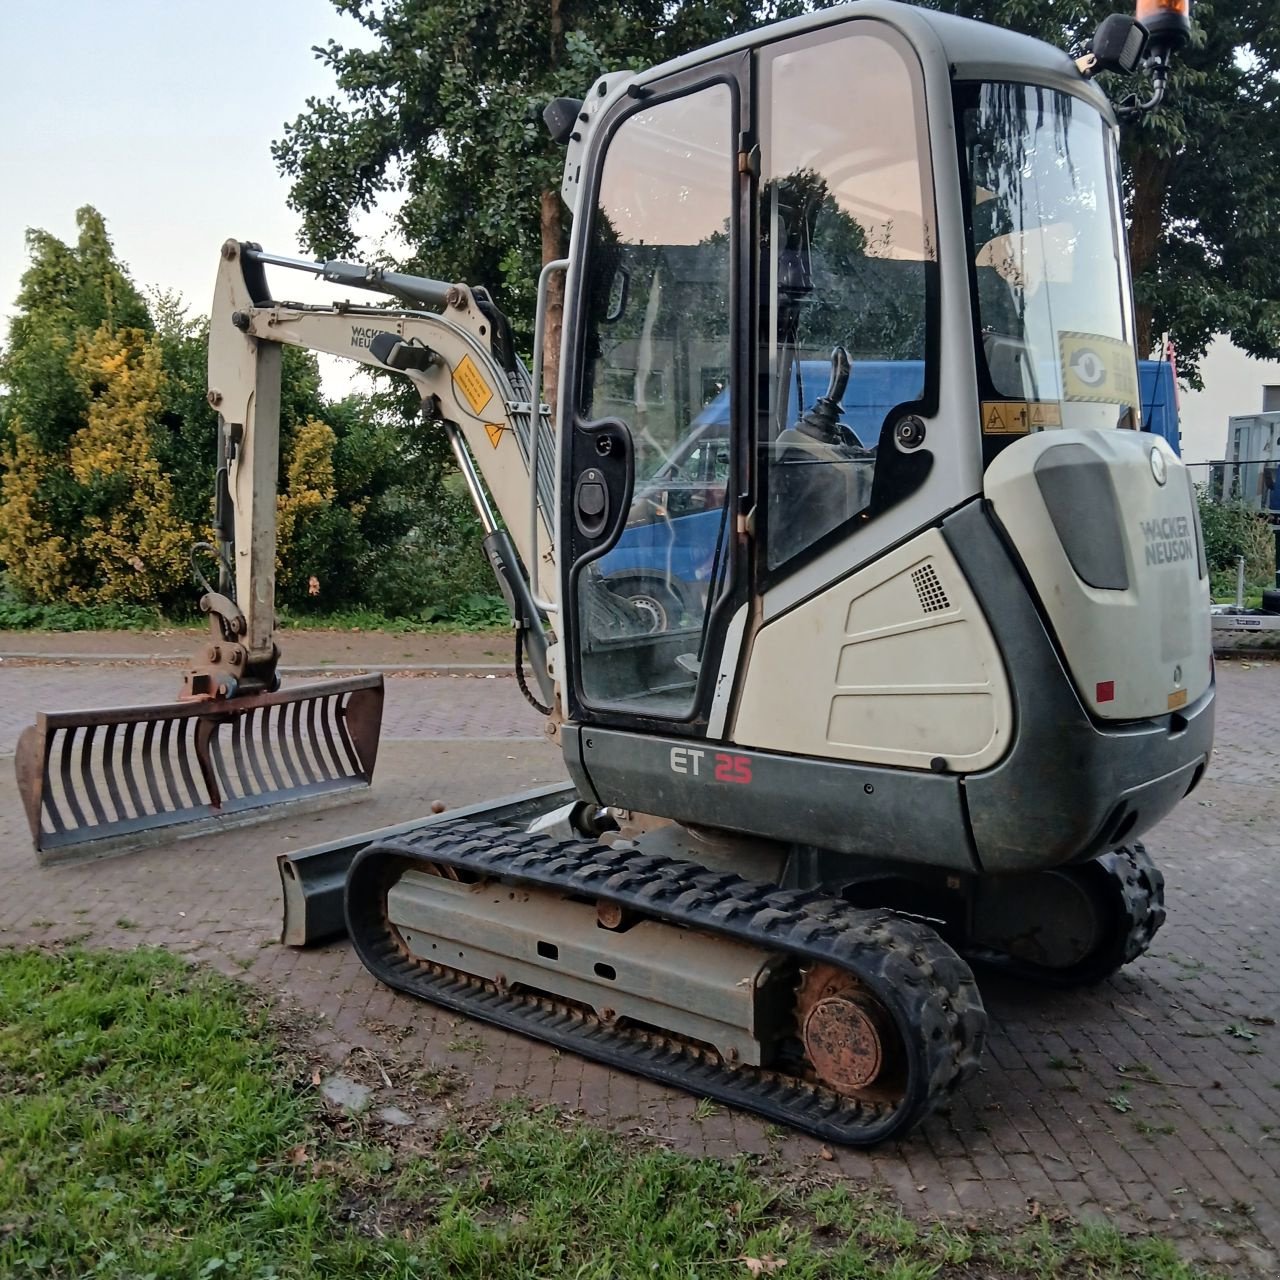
(651, 560)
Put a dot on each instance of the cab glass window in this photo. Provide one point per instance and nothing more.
(847, 247)
(657, 347)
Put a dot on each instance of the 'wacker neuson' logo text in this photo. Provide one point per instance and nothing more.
(1168, 540)
(362, 337)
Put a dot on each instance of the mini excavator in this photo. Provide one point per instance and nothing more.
(924, 672)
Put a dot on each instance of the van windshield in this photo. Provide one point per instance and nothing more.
(1049, 254)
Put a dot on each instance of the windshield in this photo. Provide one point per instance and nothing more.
(1049, 257)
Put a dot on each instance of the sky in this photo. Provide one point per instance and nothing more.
(162, 115)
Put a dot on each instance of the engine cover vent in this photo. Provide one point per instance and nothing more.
(933, 599)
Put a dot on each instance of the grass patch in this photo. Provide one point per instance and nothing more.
(151, 1126)
(19, 615)
(471, 613)
(143, 1123)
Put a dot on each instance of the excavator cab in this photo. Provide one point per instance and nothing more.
(882, 621)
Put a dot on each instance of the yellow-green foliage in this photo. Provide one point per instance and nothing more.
(37, 557)
(309, 490)
(131, 547)
(138, 543)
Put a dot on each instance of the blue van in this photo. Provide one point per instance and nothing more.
(664, 558)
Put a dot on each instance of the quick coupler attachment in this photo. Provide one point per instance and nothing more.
(95, 782)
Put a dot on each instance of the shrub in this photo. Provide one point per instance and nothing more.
(1232, 530)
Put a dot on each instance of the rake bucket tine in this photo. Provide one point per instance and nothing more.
(326, 723)
(131, 782)
(227, 788)
(109, 773)
(251, 748)
(148, 768)
(68, 786)
(282, 745)
(300, 745)
(205, 730)
(237, 755)
(126, 766)
(313, 738)
(268, 751)
(169, 750)
(185, 746)
(344, 736)
(86, 772)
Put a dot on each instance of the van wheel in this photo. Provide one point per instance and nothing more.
(655, 602)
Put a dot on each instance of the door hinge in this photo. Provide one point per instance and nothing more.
(748, 157)
(746, 523)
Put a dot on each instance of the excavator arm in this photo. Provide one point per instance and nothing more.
(471, 384)
(234, 746)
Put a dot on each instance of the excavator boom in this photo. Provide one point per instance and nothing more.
(235, 746)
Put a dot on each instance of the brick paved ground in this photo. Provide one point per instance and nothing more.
(417, 707)
(1192, 1147)
(297, 647)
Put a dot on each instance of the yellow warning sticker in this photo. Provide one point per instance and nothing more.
(472, 384)
(1098, 369)
(1178, 698)
(1006, 417)
(1046, 414)
(494, 431)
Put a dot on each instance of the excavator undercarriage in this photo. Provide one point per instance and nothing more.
(847, 1023)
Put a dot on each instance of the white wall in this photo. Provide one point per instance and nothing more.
(1233, 385)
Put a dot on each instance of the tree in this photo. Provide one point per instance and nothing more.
(67, 291)
(1201, 198)
(446, 109)
(443, 110)
(107, 446)
(82, 331)
(132, 536)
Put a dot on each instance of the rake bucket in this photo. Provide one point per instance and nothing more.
(100, 781)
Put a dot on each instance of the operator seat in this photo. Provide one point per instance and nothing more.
(815, 485)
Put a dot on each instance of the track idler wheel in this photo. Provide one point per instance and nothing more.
(1075, 925)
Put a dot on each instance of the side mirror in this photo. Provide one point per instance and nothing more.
(1151, 38)
(560, 115)
(1118, 44)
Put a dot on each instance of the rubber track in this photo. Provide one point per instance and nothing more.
(929, 990)
(1142, 888)
(1136, 887)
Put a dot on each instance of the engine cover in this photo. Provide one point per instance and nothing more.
(1106, 525)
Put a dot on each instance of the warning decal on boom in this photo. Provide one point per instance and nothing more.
(472, 384)
(1006, 417)
(1019, 417)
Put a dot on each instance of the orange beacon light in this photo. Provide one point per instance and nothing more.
(1168, 22)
